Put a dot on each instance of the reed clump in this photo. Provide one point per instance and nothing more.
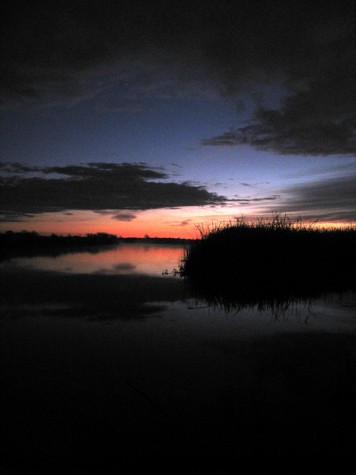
(276, 256)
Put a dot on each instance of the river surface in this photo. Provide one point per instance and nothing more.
(111, 363)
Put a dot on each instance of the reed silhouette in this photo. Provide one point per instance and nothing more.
(273, 260)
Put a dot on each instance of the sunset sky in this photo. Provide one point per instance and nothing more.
(145, 117)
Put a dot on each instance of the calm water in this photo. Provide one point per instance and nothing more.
(107, 363)
(124, 259)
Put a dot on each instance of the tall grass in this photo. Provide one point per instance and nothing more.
(276, 256)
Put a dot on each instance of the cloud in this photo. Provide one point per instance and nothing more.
(332, 199)
(124, 216)
(253, 185)
(185, 222)
(72, 51)
(317, 121)
(246, 201)
(122, 268)
(13, 217)
(50, 49)
(96, 187)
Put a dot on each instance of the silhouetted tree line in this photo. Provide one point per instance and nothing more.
(156, 240)
(31, 243)
(27, 244)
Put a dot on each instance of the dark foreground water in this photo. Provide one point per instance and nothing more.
(109, 367)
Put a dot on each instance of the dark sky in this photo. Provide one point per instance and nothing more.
(138, 112)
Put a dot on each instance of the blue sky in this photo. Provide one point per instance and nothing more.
(239, 109)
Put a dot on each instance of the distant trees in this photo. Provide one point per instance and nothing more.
(32, 243)
(102, 238)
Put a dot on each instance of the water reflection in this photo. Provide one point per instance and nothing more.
(134, 280)
(147, 259)
(137, 372)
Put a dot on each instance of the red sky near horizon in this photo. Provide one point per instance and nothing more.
(154, 223)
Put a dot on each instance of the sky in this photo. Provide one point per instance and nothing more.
(158, 117)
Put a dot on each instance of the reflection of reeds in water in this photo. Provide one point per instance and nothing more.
(278, 306)
(270, 262)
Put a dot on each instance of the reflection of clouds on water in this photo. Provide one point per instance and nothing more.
(127, 282)
(144, 259)
(122, 268)
(113, 296)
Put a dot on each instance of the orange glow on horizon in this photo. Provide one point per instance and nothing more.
(154, 223)
(174, 223)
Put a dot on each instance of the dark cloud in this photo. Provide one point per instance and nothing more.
(95, 186)
(124, 216)
(253, 185)
(13, 217)
(185, 222)
(317, 121)
(15, 168)
(69, 51)
(122, 268)
(331, 199)
(247, 200)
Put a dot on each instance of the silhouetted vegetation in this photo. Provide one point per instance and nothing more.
(270, 260)
(27, 244)
(156, 240)
(31, 244)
